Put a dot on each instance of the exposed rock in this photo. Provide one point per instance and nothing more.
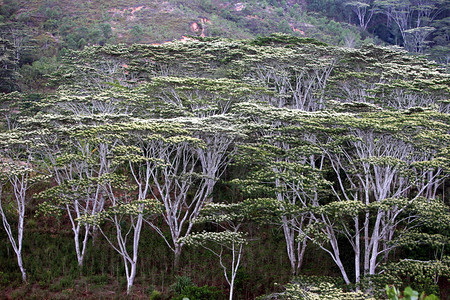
(239, 6)
(302, 3)
(195, 27)
(125, 67)
(294, 29)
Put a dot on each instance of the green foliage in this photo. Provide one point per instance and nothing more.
(285, 40)
(424, 274)
(8, 66)
(180, 284)
(62, 284)
(155, 295)
(131, 118)
(99, 279)
(312, 287)
(260, 210)
(200, 293)
(408, 294)
(221, 238)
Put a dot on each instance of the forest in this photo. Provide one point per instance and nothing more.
(278, 167)
(41, 31)
(182, 150)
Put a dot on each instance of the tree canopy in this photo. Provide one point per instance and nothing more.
(206, 142)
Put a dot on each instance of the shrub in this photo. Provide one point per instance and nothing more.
(201, 293)
(408, 294)
(181, 282)
(155, 295)
(317, 288)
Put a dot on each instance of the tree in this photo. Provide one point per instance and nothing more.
(178, 163)
(385, 77)
(347, 142)
(231, 218)
(413, 19)
(127, 214)
(77, 165)
(17, 175)
(8, 66)
(440, 41)
(383, 163)
(297, 72)
(363, 11)
(76, 159)
(13, 106)
(284, 163)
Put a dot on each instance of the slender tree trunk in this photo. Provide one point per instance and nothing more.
(301, 249)
(127, 273)
(375, 243)
(366, 244)
(17, 246)
(176, 262)
(22, 269)
(357, 253)
(337, 258)
(133, 263)
(83, 250)
(342, 269)
(290, 244)
(131, 273)
(19, 242)
(231, 289)
(80, 251)
(130, 280)
(234, 267)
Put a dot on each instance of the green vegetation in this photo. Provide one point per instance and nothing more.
(408, 293)
(280, 166)
(39, 30)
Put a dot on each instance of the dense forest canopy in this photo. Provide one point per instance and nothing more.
(35, 33)
(213, 167)
(211, 142)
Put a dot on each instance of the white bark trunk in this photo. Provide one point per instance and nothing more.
(19, 184)
(357, 253)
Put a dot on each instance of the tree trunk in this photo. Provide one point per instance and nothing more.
(137, 236)
(20, 237)
(375, 242)
(22, 269)
(290, 244)
(337, 259)
(130, 277)
(357, 254)
(301, 253)
(176, 262)
(231, 289)
(366, 244)
(80, 252)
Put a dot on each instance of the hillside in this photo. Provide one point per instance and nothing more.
(40, 31)
(157, 21)
(181, 149)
